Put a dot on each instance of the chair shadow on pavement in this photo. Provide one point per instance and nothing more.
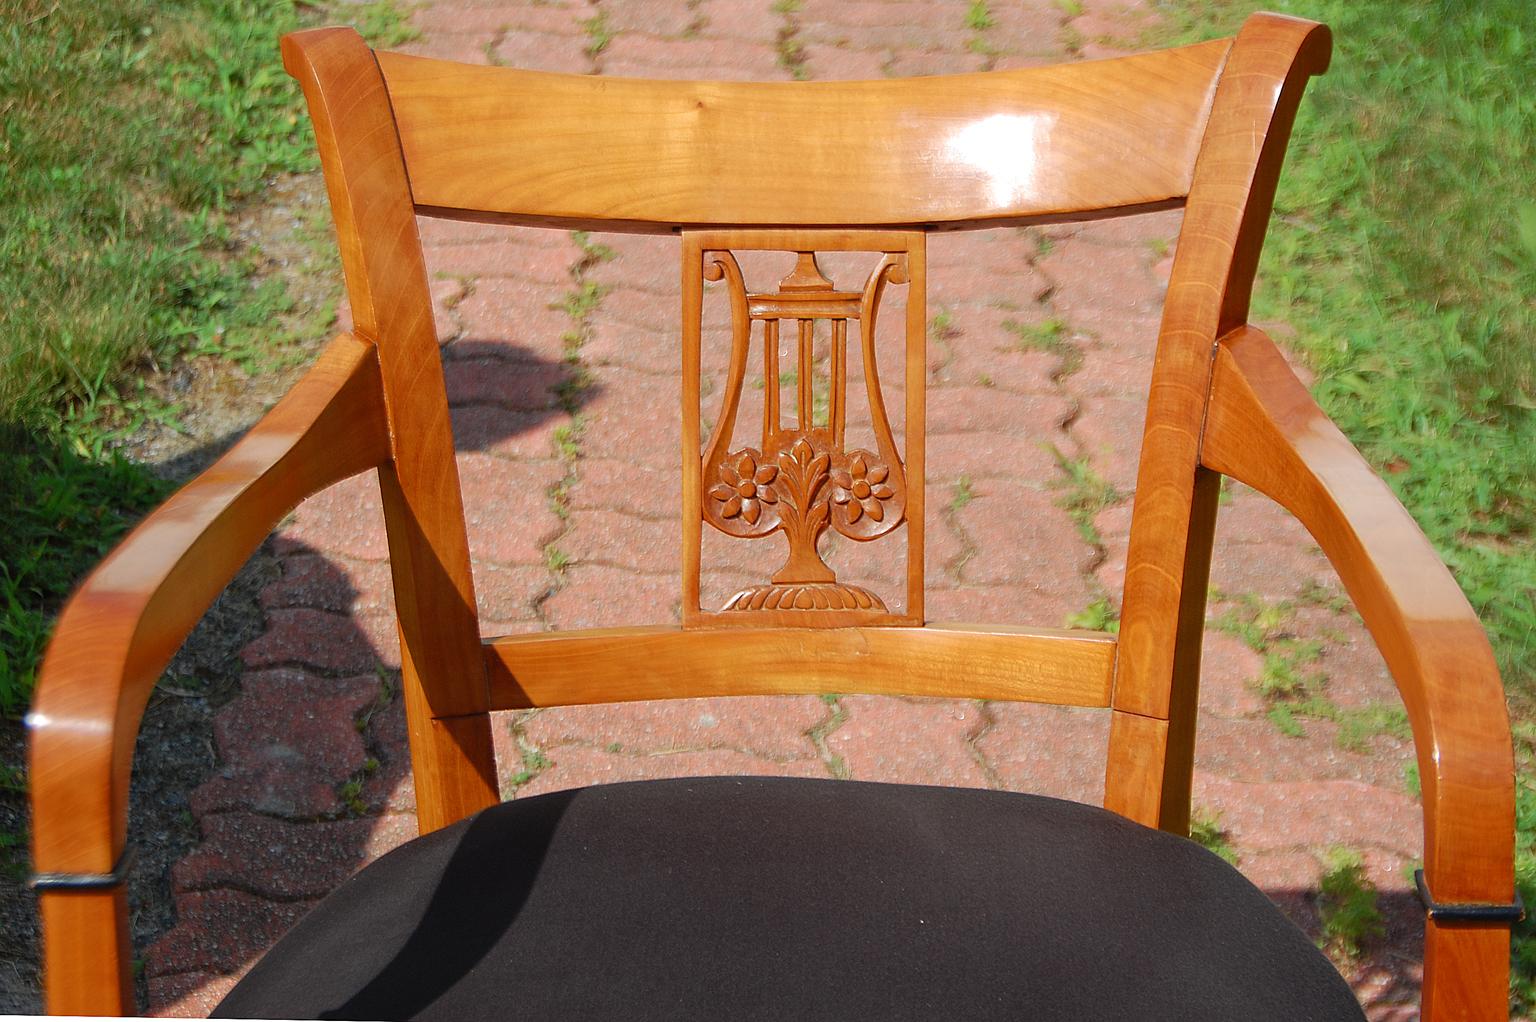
(286, 699)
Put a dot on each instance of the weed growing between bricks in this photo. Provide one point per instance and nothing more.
(697, 23)
(1294, 689)
(598, 32)
(942, 334)
(352, 792)
(979, 19)
(1050, 336)
(1347, 904)
(836, 765)
(1098, 616)
(791, 52)
(1205, 830)
(1083, 494)
(579, 304)
(532, 760)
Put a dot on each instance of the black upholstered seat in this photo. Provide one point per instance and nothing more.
(779, 899)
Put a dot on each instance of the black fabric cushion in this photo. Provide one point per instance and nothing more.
(780, 899)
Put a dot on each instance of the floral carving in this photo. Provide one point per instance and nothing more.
(744, 488)
(803, 479)
(861, 487)
(795, 486)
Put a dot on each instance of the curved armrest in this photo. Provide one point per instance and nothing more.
(120, 629)
(1264, 429)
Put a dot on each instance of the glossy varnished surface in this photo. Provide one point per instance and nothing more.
(1163, 605)
(442, 676)
(1069, 140)
(127, 619)
(1264, 429)
(665, 662)
(399, 135)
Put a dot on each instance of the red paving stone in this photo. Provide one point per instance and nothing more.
(910, 741)
(773, 727)
(575, 766)
(312, 739)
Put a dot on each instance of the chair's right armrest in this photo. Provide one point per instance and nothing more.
(121, 627)
(1263, 428)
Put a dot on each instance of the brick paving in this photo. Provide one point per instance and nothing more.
(314, 780)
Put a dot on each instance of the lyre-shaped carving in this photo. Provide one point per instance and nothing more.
(801, 479)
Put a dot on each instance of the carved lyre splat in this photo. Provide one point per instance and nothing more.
(797, 475)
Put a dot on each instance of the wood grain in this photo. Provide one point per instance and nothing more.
(1218, 250)
(1071, 141)
(667, 662)
(423, 510)
(121, 627)
(1265, 429)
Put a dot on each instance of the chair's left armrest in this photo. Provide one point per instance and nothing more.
(1263, 428)
(121, 627)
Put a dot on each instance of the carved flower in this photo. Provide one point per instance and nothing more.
(860, 488)
(745, 488)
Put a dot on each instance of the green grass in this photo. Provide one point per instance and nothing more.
(962, 494)
(130, 135)
(1083, 494)
(63, 509)
(1050, 336)
(1206, 831)
(1098, 616)
(1346, 903)
(1403, 252)
(978, 16)
(599, 33)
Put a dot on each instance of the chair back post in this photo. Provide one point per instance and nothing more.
(1151, 750)
(442, 667)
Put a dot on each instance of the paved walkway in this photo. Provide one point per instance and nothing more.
(561, 366)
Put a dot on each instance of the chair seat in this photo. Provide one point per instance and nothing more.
(783, 899)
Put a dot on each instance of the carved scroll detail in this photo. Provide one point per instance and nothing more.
(802, 480)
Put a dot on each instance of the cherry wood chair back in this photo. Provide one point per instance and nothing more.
(801, 168)
(862, 166)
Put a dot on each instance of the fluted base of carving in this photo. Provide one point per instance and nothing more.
(815, 596)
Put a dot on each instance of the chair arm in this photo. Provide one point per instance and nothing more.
(121, 627)
(1263, 428)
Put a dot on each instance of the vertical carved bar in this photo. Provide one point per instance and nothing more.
(838, 406)
(803, 375)
(770, 379)
(804, 481)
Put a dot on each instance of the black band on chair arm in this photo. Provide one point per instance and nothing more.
(83, 881)
(1468, 912)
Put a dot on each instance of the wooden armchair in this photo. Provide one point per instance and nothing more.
(881, 165)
